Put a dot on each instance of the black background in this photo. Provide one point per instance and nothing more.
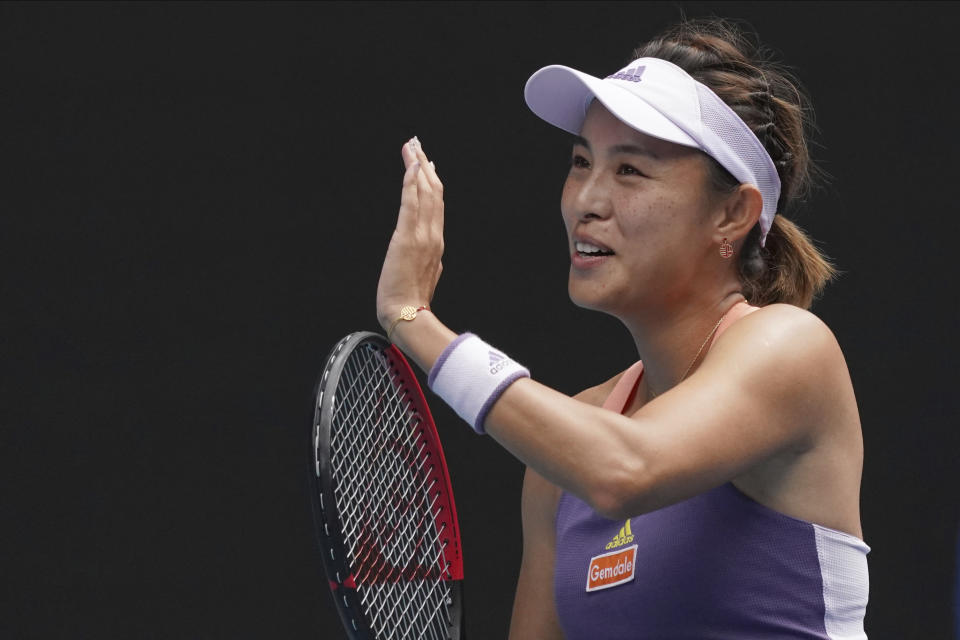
(196, 201)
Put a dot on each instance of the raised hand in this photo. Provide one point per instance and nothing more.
(412, 265)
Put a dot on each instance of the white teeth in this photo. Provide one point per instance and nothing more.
(585, 247)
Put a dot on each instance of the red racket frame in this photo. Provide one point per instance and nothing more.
(342, 578)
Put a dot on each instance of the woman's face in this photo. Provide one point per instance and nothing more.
(645, 204)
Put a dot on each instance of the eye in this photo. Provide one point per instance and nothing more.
(579, 161)
(627, 170)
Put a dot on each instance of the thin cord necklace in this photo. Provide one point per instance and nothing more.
(654, 394)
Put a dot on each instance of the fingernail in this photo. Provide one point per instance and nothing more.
(433, 166)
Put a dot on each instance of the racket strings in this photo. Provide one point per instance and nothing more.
(387, 498)
(414, 495)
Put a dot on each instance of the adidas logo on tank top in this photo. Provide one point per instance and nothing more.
(624, 537)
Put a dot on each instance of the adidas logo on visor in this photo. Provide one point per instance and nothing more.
(633, 75)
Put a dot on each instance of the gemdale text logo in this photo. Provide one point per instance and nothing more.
(612, 569)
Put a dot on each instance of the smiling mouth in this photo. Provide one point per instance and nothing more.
(590, 250)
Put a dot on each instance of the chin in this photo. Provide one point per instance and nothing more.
(585, 295)
(616, 301)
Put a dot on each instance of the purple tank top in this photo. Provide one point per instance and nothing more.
(718, 565)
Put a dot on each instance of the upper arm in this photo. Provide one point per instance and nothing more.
(534, 608)
(768, 386)
(774, 383)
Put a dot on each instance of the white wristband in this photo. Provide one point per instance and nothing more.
(470, 375)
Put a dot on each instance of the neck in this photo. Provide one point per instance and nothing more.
(667, 340)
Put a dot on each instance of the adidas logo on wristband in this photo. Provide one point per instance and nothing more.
(470, 375)
(497, 362)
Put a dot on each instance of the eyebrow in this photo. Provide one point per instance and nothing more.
(632, 149)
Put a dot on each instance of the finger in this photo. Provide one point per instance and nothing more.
(429, 190)
(434, 177)
(431, 210)
(409, 200)
(438, 195)
(429, 168)
(427, 197)
(409, 151)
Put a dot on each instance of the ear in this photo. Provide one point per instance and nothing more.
(738, 214)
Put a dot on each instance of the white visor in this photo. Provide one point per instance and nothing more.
(660, 99)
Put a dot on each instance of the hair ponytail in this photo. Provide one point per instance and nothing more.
(789, 268)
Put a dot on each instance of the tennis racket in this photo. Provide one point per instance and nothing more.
(383, 504)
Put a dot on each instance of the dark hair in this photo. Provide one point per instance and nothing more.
(769, 99)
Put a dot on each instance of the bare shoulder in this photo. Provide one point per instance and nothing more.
(779, 335)
(784, 321)
(789, 359)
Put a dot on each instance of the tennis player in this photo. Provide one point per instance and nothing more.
(712, 489)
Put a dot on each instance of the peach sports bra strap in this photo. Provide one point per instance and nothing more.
(617, 400)
(736, 312)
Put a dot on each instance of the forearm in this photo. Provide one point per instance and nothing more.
(582, 448)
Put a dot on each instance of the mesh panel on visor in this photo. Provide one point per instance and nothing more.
(733, 145)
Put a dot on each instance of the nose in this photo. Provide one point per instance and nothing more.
(592, 198)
